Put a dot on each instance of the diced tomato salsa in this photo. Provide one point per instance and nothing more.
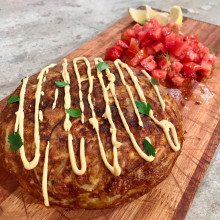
(164, 51)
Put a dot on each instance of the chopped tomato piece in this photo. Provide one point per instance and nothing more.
(130, 33)
(162, 63)
(142, 36)
(150, 50)
(204, 54)
(124, 58)
(190, 68)
(176, 66)
(158, 46)
(159, 74)
(142, 53)
(125, 38)
(155, 33)
(147, 26)
(147, 43)
(112, 53)
(153, 29)
(191, 56)
(138, 58)
(212, 58)
(169, 40)
(154, 22)
(133, 48)
(180, 49)
(137, 28)
(165, 31)
(173, 25)
(149, 63)
(135, 61)
(140, 68)
(171, 74)
(177, 80)
(122, 44)
(119, 48)
(206, 68)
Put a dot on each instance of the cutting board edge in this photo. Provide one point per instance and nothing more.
(181, 213)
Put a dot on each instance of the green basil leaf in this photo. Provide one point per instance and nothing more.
(148, 148)
(74, 112)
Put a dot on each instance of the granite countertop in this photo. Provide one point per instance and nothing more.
(35, 33)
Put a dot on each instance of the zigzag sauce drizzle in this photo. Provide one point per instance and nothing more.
(111, 78)
(20, 119)
(45, 173)
(115, 169)
(164, 124)
(68, 125)
(55, 98)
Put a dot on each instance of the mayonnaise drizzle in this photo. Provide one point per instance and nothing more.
(111, 78)
(72, 156)
(164, 124)
(115, 169)
(45, 174)
(20, 113)
(107, 114)
(55, 98)
(156, 89)
(81, 104)
(67, 98)
(167, 126)
(117, 62)
(41, 118)
(134, 79)
(20, 119)
(68, 125)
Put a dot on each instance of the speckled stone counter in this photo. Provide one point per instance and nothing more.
(34, 33)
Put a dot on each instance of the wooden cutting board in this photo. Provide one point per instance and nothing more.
(172, 198)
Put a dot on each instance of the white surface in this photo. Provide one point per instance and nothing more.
(34, 33)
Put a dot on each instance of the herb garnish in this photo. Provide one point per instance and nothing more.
(211, 50)
(167, 57)
(174, 29)
(15, 141)
(102, 66)
(143, 108)
(137, 48)
(13, 98)
(143, 22)
(154, 81)
(62, 83)
(213, 67)
(125, 38)
(148, 148)
(74, 112)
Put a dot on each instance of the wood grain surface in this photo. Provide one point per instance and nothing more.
(172, 198)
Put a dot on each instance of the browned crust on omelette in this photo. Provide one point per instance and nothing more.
(97, 188)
